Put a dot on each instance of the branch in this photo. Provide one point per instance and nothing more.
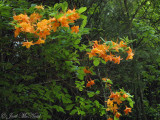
(126, 8)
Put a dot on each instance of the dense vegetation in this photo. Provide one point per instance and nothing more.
(51, 80)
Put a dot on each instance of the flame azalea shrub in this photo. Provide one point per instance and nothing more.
(58, 27)
(118, 102)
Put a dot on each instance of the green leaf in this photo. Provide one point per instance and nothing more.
(69, 107)
(64, 6)
(109, 81)
(80, 112)
(84, 22)
(97, 92)
(131, 102)
(97, 103)
(96, 62)
(82, 9)
(73, 112)
(57, 6)
(103, 61)
(90, 94)
(59, 108)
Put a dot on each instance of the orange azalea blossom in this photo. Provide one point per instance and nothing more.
(72, 15)
(115, 46)
(118, 115)
(21, 18)
(125, 96)
(75, 29)
(87, 71)
(130, 54)
(95, 44)
(117, 59)
(90, 83)
(110, 118)
(26, 27)
(108, 58)
(39, 41)
(64, 21)
(114, 108)
(44, 24)
(112, 95)
(91, 54)
(27, 44)
(55, 25)
(39, 7)
(110, 103)
(122, 44)
(34, 17)
(127, 110)
(104, 79)
(43, 34)
(98, 49)
(17, 31)
(117, 99)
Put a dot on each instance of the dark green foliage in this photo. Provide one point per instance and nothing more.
(48, 79)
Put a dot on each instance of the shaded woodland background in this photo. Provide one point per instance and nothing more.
(40, 81)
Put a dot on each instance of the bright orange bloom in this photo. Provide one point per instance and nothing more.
(104, 79)
(114, 108)
(95, 44)
(109, 102)
(75, 29)
(90, 83)
(108, 58)
(39, 7)
(64, 21)
(21, 18)
(44, 24)
(122, 44)
(39, 41)
(118, 115)
(55, 25)
(87, 71)
(27, 44)
(72, 15)
(91, 54)
(125, 96)
(127, 110)
(115, 46)
(117, 99)
(34, 17)
(26, 27)
(43, 34)
(130, 54)
(117, 59)
(112, 95)
(110, 118)
(17, 31)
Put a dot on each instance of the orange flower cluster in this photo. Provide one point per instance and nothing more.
(104, 51)
(42, 28)
(114, 100)
(89, 82)
(87, 71)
